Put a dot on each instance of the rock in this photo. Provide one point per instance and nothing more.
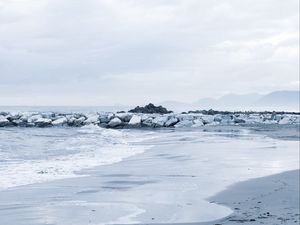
(103, 125)
(171, 122)
(125, 117)
(76, 122)
(198, 123)
(207, 119)
(43, 122)
(184, 123)
(182, 117)
(79, 122)
(93, 119)
(135, 121)
(218, 118)
(114, 122)
(13, 116)
(150, 109)
(159, 121)
(3, 121)
(20, 123)
(147, 122)
(105, 118)
(60, 121)
(239, 120)
(33, 118)
(285, 120)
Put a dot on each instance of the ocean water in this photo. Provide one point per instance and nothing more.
(33, 155)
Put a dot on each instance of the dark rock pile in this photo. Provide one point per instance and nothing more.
(150, 109)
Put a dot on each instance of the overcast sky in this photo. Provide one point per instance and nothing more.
(103, 52)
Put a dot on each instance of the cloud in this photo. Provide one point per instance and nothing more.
(136, 50)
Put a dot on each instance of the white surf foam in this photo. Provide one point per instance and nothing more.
(93, 146)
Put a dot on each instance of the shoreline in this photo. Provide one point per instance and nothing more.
(277, 201)
(128, 186)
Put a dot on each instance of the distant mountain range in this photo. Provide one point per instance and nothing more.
(278, 100)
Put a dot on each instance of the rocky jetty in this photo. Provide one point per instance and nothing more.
(140, 120)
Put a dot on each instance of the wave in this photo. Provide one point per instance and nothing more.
(41, 157)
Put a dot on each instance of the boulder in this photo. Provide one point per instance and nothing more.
(207, 119)
(33, 118)
(171, 122)
(159, 121)
(79, 122)
(147, 122)
(3, 121)
(135, 121)
(60, 121)
(13, 116)
(125, 117)
(43, 122)
(198, 123)
(239, 120)
(92, 119)
(114, 122)
(184, 123)
(20, 123)
(150, 109)
(285, 120)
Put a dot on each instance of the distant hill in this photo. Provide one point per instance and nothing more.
(278, 100)
(281, 99)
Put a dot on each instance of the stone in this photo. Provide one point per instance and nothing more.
(3, 121)
(171, 122)
(20, 123)
(33, 118)
(125, 117)
(285, 120)
(135, 121)
(43, 122)
(60, 121)
(184, 123)
(198, 123)
(114, 122)
(79, 122)
(239, 120)
(159, 121)
(93, 119)
(147, 122)
(207, 119)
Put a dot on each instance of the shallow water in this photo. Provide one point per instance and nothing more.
(33, 155)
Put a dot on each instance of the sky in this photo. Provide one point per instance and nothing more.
(106, 52)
